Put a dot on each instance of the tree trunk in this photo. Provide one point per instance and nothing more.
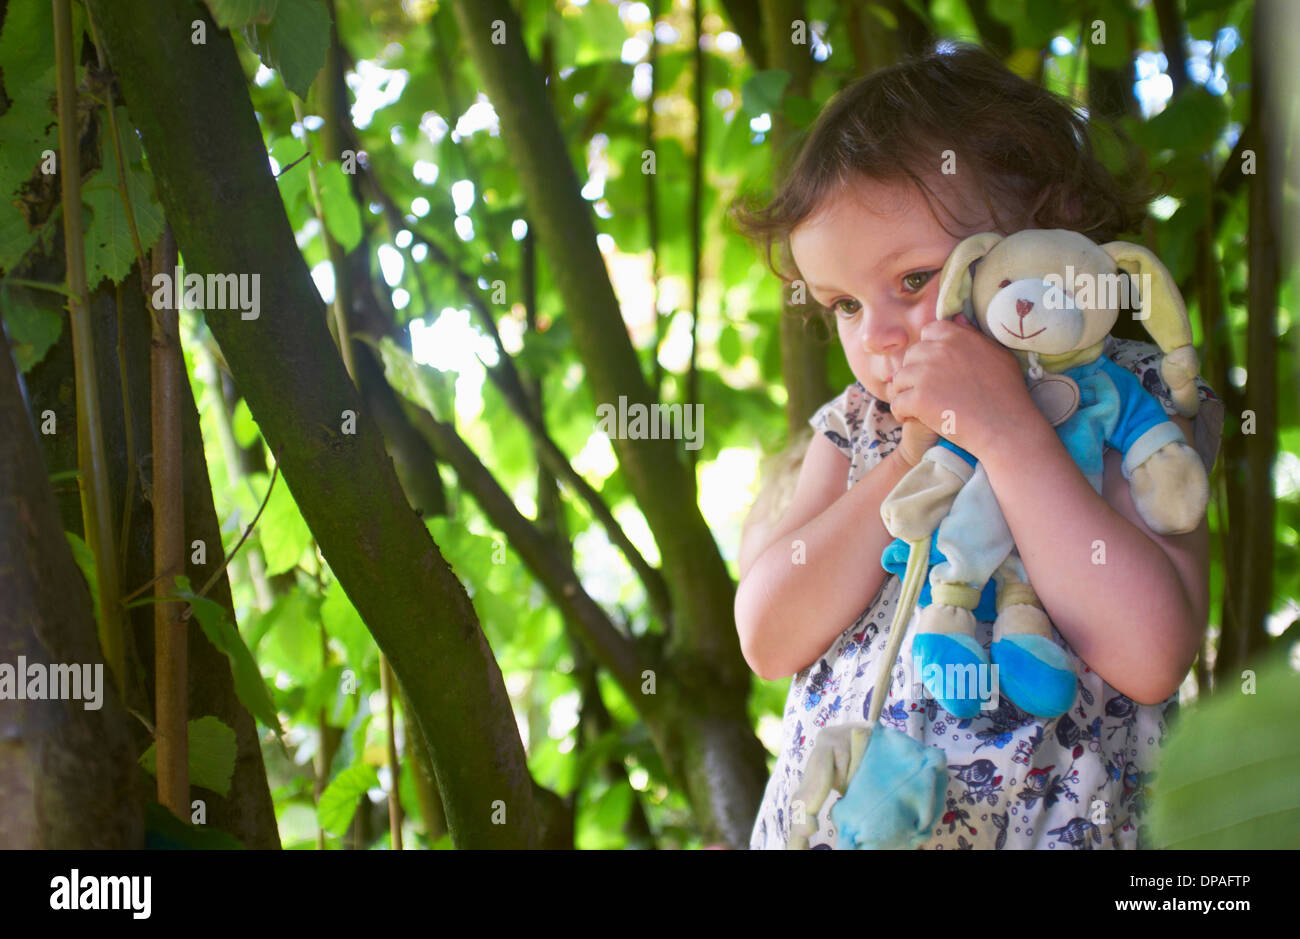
(1253, 568)
(68, 778)
(804, 336)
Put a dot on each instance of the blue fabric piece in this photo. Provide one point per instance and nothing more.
(1084, 434)
(973, 536)
(894, 560)
(1139, 410)
(896, 796)
(945, 650)
(1114, 409)
(949, 445)
(1035, 674)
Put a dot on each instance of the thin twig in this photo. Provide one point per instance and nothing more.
(230, 557)
(275, 471)
(141, 589)
(128, 489)
(290, 166)
(92, 457)
(37, 285)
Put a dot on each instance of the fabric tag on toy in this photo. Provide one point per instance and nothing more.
(1055, 396)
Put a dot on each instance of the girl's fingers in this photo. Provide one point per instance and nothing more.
(899, 405)
(933, 330)
(903, 380)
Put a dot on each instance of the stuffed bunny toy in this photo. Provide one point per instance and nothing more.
(1043, 294)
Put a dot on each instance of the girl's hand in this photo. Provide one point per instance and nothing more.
(963, 385)
(916, 439)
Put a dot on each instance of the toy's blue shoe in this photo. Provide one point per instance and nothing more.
(1035, 674)
(952, 667)
(896, 796)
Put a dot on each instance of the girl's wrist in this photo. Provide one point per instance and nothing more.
(1014, 421)
(1021, 440)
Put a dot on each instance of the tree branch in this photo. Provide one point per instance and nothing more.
(543, 557)
(524, 405)
(700, 586)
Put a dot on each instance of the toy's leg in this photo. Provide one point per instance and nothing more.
(1033, 671)
(974, 539)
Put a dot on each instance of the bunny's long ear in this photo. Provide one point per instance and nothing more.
(1165, 317)
(955, 278)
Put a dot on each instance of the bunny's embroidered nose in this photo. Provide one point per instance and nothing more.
(1023, 307)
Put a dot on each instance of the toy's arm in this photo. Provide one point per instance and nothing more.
(1169, 483)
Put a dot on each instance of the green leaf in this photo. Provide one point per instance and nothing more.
(430, 388)
(110, 252)
(287, 153)
(245, 427)
(290, 636)
(1114, 52)
(343, 622)
(799, 111)
(165, 832)
(600, 33)
(294, 42)
(85, 559)
(762, 93)
(729, 345)
(338, 803)
(283, 534)
(34, 321)
(1191, 123)
(1197, 7)
(236, 14)
(221, 632)
(342, 217)
(1227, 773)
(613, 807)
(884, 14)
(212, 755)
(28, 128)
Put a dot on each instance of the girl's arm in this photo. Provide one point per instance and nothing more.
(1131, 603)
(794, 600)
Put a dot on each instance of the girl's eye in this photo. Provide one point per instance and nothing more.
(835, 307)
(914, 281)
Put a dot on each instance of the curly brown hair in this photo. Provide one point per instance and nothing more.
(1030, 152)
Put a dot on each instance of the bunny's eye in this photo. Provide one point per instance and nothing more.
(1004, 284)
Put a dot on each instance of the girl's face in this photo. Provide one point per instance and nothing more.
(872, 255)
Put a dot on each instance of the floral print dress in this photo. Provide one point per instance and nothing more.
(1079, 781)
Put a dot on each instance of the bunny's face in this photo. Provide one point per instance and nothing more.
(1052, 292)
(1046, 296)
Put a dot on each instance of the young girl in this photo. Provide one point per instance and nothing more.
(898, 168)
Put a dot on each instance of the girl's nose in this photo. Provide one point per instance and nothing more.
(879, 334)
